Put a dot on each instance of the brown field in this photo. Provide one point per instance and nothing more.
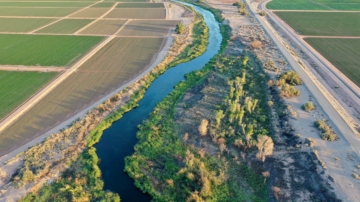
(91, 13)
(104, 27)
(41, 12)
(138, 13)
(114, 65)
(148, 27)
(66, 26)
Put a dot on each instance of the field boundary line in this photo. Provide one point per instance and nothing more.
(99, 18)
(62, 18)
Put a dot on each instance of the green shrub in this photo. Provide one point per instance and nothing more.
(289, 91)
(326, 132)
(180, 28)
(290, 77)
(309, 106)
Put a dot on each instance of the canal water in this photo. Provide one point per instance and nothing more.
(119, 140)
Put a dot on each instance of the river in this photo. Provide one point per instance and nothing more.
(119, 140)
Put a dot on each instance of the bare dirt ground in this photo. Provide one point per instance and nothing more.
(339, 157)
(32, 68)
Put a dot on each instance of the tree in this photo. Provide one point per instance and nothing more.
(180, 28)
(219, 114)
(265, 146)
(262, 13)
(203, 127)
(244, 60)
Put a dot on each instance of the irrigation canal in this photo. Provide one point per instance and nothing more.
(119, 140)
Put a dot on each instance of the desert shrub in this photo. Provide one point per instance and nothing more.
(309, 106)
(262, 13)
(180, 28)
(326, 132)
(289, 91)
(265, 146)
(356, 176)
(256, 44)
(290, 77)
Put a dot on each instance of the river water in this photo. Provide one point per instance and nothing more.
(119, 140)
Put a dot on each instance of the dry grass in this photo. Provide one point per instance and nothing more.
(91, 13)
(104, 27)
(148, 28)
(138, 13)
(111, 67)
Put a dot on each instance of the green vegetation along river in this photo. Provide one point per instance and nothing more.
(118, 141)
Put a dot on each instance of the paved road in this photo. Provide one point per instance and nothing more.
(332, 113)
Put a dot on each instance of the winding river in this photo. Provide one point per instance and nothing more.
(119, 140)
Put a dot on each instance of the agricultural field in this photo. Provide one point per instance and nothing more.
(129, 0)
(114, 65)
(45, 4)
(103, 5)
(294, 5)
(140, 5)
(104, 27)
(66, 26)
(313, 5)
(45, 50)
(37, 12)
(342, 53)
(323, 23)
(137, 13)
(22, 24)
(148, 27)
(16, 87)
(91, 13)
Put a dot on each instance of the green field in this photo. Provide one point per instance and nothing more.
(314, 5)
(294, 5)
(104, 4)
(342, 53)
(148, 27)
(22, 24)
(41, 12)
(16, 87)
(323, 23)
(45, 50)
(349, 6)
(45, 4)
(138, 13)
(129, 0)
(114, 65)
(140, 5)
(67, 26)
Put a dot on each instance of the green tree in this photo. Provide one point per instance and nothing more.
(180, 28)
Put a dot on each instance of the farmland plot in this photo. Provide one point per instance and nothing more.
(115, 64)
(103, 5)
(104, 27)
(37, 12)
(45, 50)
(138, 13)
(342, 53)
(148, 27)
(140, 5)
(91, 13)
(22, 24)
(294, 5)
(45, 4)
(129, 0)
(66, 26)
(323, 23)
(16, 87)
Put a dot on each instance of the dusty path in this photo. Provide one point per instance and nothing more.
(32, 68)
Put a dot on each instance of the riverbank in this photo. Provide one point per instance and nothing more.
(68, 144)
